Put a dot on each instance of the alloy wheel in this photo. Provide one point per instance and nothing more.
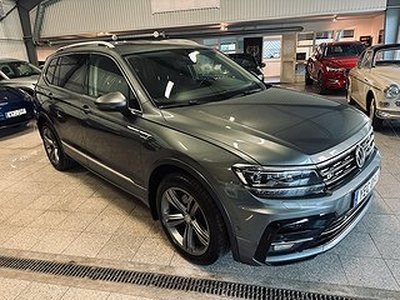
(185, 221)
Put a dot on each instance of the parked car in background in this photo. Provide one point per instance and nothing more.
(330, 63)
(18, 73)
(374, 84)
(249, 62)
(16, 107)
(221, 159)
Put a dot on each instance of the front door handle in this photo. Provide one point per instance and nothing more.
(86, 109)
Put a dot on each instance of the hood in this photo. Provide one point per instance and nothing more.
(347, 62)
(273, 127)
(24, 82)
(387, 74)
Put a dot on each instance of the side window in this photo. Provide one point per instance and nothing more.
(367, 61)
(72, 72)
(105, 77)
(50, 71)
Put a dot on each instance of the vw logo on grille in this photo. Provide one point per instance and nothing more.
(360, 156)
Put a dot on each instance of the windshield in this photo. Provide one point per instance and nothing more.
(180, 77)
(16, 69)
(344, 50)
(388, 56)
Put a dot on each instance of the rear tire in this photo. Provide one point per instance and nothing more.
(191, 219)
(307, 78)
(53, 149)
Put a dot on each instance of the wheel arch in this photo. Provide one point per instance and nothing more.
(369, 97)
(162, 169)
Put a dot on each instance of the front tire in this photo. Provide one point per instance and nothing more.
(349, 99)
(376, 122)
(191, 219)
(320, 85)
(53, 149)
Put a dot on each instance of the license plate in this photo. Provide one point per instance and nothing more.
(362, 192)
(15, 113)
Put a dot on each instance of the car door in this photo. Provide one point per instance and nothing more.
(360, 79)
(113, 140)
(61, 94)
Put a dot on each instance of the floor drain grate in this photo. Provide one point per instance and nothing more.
(171, 282)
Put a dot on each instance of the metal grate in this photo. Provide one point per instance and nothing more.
(171, 282)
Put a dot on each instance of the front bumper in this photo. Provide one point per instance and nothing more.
(284, 231)
(335, 81)
(388, 114)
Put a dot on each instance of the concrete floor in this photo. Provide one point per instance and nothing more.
(75, 216)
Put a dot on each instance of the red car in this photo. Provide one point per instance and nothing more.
(330, 63)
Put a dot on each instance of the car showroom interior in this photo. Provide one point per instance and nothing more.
(214, 149)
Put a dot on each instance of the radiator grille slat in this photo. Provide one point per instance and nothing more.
(335, 170)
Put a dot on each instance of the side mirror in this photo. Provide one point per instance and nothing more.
(114, 101)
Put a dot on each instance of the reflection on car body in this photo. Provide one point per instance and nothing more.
(374, 84)
(221, 159)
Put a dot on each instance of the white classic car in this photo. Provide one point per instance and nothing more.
(374, 84)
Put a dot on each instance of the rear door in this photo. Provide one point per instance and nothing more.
(61, 93)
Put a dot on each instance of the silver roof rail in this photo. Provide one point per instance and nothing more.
(99, 43)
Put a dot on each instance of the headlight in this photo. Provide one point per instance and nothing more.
(392, 91)
(333, 69)
(267, 182)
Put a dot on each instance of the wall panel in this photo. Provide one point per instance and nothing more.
(11, 36)
(77, 17)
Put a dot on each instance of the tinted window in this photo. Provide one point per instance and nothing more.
(16, 69)
(344, 50)
(50, 71)
(105, 77)
(190, 76)
(72, 72)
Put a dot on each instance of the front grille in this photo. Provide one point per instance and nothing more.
(339, 168)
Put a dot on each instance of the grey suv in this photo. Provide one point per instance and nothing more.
(222, 160)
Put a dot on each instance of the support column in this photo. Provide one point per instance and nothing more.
(288, 61)
(27, 32)
(392, 22)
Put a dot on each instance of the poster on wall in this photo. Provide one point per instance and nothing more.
(162, 6)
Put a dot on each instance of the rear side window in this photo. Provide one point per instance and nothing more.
(73, 72)
(69, 72)
(51, 71)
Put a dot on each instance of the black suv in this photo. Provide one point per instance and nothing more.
(222, 160)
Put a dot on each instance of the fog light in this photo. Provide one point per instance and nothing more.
(384, 104)
(282, 247)
(397, 103)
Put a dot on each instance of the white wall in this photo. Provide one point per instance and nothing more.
(69, 17)
(11, 36)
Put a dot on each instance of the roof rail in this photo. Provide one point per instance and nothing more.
(99, 43)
